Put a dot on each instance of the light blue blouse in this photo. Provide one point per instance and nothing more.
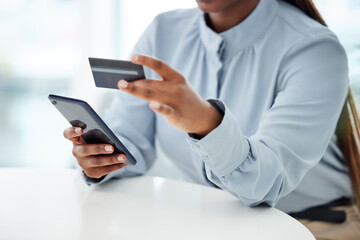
(283, 78)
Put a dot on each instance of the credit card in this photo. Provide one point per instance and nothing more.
(107, 73)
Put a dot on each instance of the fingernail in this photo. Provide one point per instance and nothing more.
(123, 83)
(155, 105)
(78, 130)
(121, 158)
(108, 148)
(135, 58)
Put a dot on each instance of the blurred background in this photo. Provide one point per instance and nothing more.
(44, 46)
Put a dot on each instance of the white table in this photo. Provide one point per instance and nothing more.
(56, 204)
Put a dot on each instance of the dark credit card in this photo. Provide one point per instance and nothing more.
(107, 73)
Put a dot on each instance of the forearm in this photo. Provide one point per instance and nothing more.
(256, 169)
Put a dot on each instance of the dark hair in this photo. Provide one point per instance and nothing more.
(348, 127)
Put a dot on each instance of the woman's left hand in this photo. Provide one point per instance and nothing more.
(174, 98)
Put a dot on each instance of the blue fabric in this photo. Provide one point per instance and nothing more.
(283, 78)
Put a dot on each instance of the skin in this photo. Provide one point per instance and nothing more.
(94, 159)
(173, 97)
(225, 14)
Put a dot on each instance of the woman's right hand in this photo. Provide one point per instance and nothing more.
(95, 159)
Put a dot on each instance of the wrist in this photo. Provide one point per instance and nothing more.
(212, 118)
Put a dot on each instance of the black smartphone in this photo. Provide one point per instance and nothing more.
(80, 114)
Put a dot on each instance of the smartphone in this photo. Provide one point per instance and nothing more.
(80, 114)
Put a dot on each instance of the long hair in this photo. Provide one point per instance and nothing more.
(348, 127)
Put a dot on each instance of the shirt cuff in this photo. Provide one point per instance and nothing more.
(94, 181)
(225, 148)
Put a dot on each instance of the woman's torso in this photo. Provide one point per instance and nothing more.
(243, 67)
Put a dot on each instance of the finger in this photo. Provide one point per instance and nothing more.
(147, 89)
(102, 160)
(162, 108)
(72, 132)
(78, 140)
(98, 172)
(161, 68)
(92, 149)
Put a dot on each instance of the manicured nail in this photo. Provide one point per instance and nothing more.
(155, 105)
(78, 130)
(108, 148)
(135, 58)
(121, 158)
(123, 83)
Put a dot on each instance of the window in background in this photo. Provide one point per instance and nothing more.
(44, 47)
(38, 54)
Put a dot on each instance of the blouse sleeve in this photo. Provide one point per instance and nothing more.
(293, 134)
